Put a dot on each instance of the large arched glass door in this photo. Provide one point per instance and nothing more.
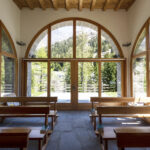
(74, 59)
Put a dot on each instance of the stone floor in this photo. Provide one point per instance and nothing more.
(73, 131)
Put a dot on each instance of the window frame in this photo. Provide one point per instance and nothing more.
(146, 53)
(121, 59)
(9, 55)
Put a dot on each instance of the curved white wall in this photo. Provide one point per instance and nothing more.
(10, 16)
(33, 20)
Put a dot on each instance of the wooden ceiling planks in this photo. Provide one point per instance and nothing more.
(77, 4)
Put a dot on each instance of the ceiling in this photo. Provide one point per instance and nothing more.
(77, 4)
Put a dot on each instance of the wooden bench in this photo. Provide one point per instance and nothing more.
(123, 111)
(14, 138)
(132, 137)
(27, 101)
(106, 134)
(24, 111)
(106, 101)
(35, 134)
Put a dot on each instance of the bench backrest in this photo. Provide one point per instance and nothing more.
(43, 109)
(32, 101)
(111, 101)
(14, 138)
(123, 110)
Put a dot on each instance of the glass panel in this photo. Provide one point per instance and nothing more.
(37, 79)
(141, 43)
(139, 77)
(109, 48)
(87, 81)
(62, 40)
(86, 40)
(39, 48)
(61, 81)
(6, 44)
(111, 79)
(7, 77)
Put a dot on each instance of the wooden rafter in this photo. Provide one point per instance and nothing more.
(18, 3)
(130, 5)
(93, 4)
(118, 5)
(30, 4)
(67, 4)
(42, 4)
(105, 5)
(55, 5)
(80, 5)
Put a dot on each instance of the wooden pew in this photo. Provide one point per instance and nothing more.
(14, 138)
(25, 111)
(106, 101)
(123, 111)
(132, 137)
(27, 101)
(35, 134)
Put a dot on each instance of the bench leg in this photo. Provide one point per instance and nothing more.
(2, 119)
(94, 123)
(46, 121)
(40, 144)
(55, 118)
(106, 145)
(100, 138)
(100, 119)
(91, 117)
(52, 122)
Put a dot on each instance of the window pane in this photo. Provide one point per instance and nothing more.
(111, 79)
(141, 43)
(6, 44)
(37, 79)
(109, 48)
(61, 81)
(139, 76)
(86, 40)
(39, 48)
(62, 40)
(87, 81)
(7, 76)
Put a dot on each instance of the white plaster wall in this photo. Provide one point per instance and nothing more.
(115, 21)
(137, 16)
(33, 20)
(10, 16)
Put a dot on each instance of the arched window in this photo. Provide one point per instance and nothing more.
(140, 64)
(74, 59)
(8, 64)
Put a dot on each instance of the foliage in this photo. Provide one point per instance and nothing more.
(88, 74)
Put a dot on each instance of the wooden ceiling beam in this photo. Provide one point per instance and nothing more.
(93, 4)
(105, 5)
(67, 5)
(54, 3)
(118, 5)
(80, 5)
(128, 7)
(30, 4)
(42, 4)
(18, 3)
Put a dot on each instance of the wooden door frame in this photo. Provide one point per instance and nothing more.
(74, 105)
